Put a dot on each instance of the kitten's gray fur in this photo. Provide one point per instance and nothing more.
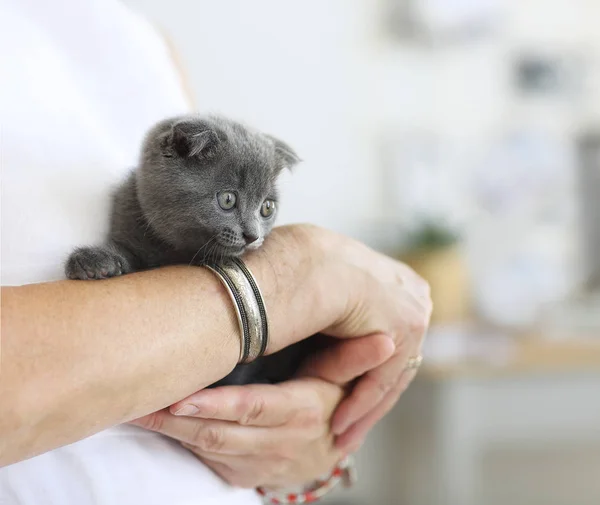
(166, 211)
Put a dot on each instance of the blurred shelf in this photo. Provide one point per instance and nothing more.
(526, 355)
(469, 434)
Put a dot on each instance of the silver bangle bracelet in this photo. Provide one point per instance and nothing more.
(249, 306)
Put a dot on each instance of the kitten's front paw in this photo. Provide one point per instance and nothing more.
(94, 263)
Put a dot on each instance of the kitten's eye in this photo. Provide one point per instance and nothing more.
(226, 200)
(267, 208)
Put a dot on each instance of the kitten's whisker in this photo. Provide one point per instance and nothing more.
(202, 247)
(149, 223)
(194, 256)
(211, 249)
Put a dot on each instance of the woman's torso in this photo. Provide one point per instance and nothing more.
(80, 82)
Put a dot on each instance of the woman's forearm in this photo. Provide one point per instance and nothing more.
(78, 356)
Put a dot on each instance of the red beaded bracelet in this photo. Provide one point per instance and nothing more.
(344, 472)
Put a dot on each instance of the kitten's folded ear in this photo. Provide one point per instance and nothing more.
(193, 138)
(286, 156)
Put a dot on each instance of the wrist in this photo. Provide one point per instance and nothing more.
(344, 472)
(288, 270)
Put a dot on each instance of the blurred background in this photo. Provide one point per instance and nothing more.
(462, 136)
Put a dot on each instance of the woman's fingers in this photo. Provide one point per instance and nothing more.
(252, 405)
(293, 412)
(367, 393)
(352, 438)
(296, 402)
(374, 386)
(216, 437)
(370, 390)
(307, 404)
(276, 405)
(344, 361)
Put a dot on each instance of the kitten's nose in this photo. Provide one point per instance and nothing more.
(250, 237)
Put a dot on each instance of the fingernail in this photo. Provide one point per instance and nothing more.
(391, 343)
(187, 410)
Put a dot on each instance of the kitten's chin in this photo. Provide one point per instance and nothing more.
(228, 252)
(254, 245)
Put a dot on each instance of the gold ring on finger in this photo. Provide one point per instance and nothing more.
(414, 362)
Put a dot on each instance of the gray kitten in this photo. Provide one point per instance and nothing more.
(205, 188)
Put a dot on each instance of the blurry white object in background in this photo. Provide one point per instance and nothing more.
(422, 180)
(444, 20)
(524, 237)
(449, 344)
(578, 318)
(447, 17)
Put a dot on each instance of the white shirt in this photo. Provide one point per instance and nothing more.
(80, 82)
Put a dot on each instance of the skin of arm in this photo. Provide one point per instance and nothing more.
(79, 357)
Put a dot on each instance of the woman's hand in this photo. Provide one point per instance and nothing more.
(261, 435)
(349, 291)
(352, 291)
(271, 435)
